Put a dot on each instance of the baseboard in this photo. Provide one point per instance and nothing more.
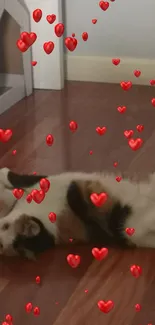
(11, 80)
(101, 69)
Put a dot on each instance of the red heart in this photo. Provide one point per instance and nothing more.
(100, 254)
(52, 217)
(99, 199)
(18, 193)
(138, 307)
(121, 109)
(71, 43)
(101, 130)
(94, 21)
(73, 34)
(49, 139)
(44, 184)
(118, 178)
(140, 127)
(116, 61)
(37, 15)
(21, 45)
(32, 37)
(104, 5)
(153, 101)
(51, 18)
(38, 196)
(115, 164)
(5, 135)
(33, 63)
(136, 270)
(128, 133)
(135, 144)
(73, 260)
(85, 36)
(126, 85)
(29, 198)
(59, 29)
(48, 47)
(130, 231)
(137, 73)
(28, 38)
(105, 306)
(36, 311)
(152, 82)
(28, 307)
(73, 126)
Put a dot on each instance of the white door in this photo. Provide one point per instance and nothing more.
(49, 71)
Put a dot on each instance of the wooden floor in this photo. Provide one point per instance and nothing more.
(69, 296)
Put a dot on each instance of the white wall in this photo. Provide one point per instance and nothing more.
(126, 29)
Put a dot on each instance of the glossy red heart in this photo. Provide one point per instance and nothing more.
(51, 18)
(18, 193)
(38, 196)
(44, 184)
(5, 135)
(71, 43)
(115, 164)
(136, 270)
(52, 217)
(152, 82)
(99, 199)
(100, 254)
(118, 179)
(22, 46)
(128, 133)
(36, 311)
(73, 126)
(153, 101)
(105, 306)
(85, 36)
(94, 21)
(116, 61)
(126, 85)
(37, 15)
(73, 260)
(140, 127)
(48, 47)
(104, 5)
(130, 231)
(101, 130)
(29, 198)
(121, 109)
(9, 318)
(28, 38)
(135, 144)
(38, 279)
(49, 139)
(138, 307)
(28, 307)
(137, 73)
(33, 63)
(59, 29)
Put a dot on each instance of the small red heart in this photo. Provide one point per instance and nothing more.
(33, 37)
(94, 21)
(136, 270)
(91, 152)
(14, 152)
(138, 307)
(140, 127)
(18, 193)
(121, 109)
(152, 82)
(9, 318)
(118, 178)
(49, 139)
(100, 254)
(48, 47)
(36, 311)
(51, 18)
(73, 260)
(29, 198)
(99, 199)
(73, 34)
(128, 133)
(44, 184)
(38, 196)
(38, 279)
(37, 15)
(137, 73)
(5, 135)
(104, 5)
(105, 306)
(33, 63)
(52, 217)
(126, 85)
(28, 307)
(101, 130)
(21, 45)
(25, 37)
(116, 61)
(73, 126)
(153, 101)
(59, 29)
(130, 231)
(115, 164)
(71, 43)
(135, 144)
(71, 240)
(85, 36)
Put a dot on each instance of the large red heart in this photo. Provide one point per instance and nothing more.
(38, 196)
(48, 47)
(21, 45)
(71, 43)
(104, 5)
(128, 133)
(18, 193)
(73, 260)
(136, 270)
(37, 15)
(59, 29)
(44, 184)
(100, 254)
(28, 38)
(99, 199)
(51, 18)
(121, 109)
(126, 85)
(5, 135)
(101, 130)
(105, 306)
(135, 144)
(116, 61)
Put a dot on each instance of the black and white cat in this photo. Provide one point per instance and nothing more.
(25, 228)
